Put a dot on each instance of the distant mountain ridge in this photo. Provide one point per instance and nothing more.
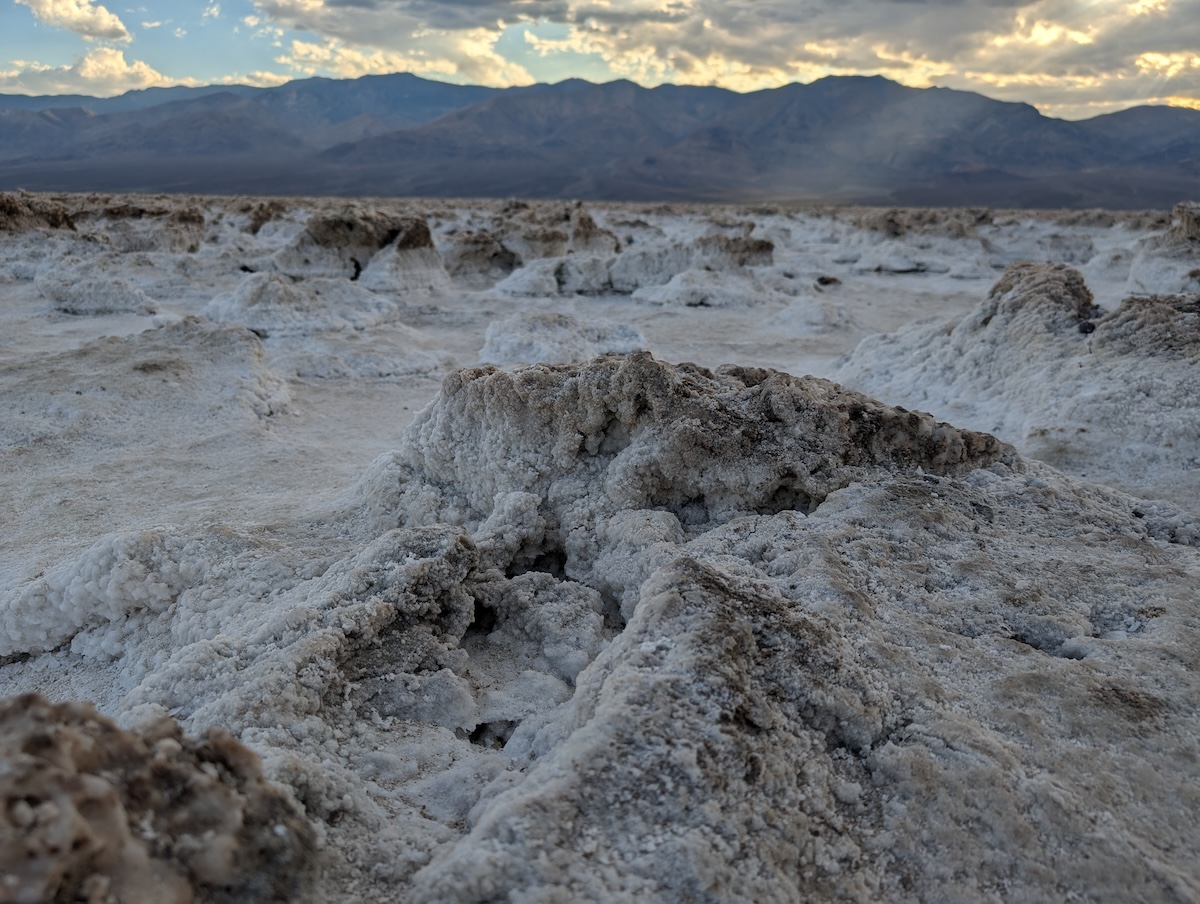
(851, 139)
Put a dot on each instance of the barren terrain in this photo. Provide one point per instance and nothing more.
(542, 552)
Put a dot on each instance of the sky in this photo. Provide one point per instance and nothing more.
(1070, 58)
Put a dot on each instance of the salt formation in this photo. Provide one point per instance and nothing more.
(410, 263)
(615, 629)
(271, 304)
(586, 237)
(95, 813)
(343, 243)
(129, 227)
(1106, 396)
(554, 338)
(21, 213)
(478, 256)
(74, 286)
(704, 289)
(1170, 262)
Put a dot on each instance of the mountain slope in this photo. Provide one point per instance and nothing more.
(852, 139)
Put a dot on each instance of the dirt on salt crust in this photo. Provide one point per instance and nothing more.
(96, 813)
(619, 629)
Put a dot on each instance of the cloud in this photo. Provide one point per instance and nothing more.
(102, 72)
(258, 79)
(468, 55)
(1070, 57)
(81, 17)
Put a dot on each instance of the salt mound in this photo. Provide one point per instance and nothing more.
(96, 813)
(131, 227)
(343, 243)
(554, 338)
(658, 264)
(271, 304)
(532, 233)
(586, 237)
(1170, 262)
(705, 289)
(480, 255)
(624, 629)
(573, 275)
(1112, 397)
(74, 286)
(411, 263)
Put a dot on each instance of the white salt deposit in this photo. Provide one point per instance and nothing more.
(598, 628)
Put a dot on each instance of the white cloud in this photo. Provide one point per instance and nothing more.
(102, 72)
(212, 11)
(1070, 57)
(80, 16)
(466, 56)
(149, 25)
(258, 79)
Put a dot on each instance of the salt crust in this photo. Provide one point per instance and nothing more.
(642, 631)
(529, 337)
(1072, 385)
(627, 631)
(95, 813)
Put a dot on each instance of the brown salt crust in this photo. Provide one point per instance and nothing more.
(93, 812)
(1152, 325)
(21, 213)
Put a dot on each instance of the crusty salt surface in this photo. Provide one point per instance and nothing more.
(611, 629)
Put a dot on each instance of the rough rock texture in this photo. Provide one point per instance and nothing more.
(532, 233)
(1039, 365)
(897, 222)
(411, 263)
(478, 255)
(1151, 326)
(629, 631)
(1170, 262)
(343, 243)
(1030, 285)
(89, 812)
(586, 237)
(21, 213)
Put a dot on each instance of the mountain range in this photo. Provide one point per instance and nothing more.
(840, 139)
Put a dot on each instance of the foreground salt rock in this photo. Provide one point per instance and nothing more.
(1110, 396)
(95, 813)
(628, 630)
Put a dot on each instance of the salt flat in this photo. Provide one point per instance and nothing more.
(517, 543)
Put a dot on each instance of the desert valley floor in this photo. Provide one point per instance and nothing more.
(551, 552)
